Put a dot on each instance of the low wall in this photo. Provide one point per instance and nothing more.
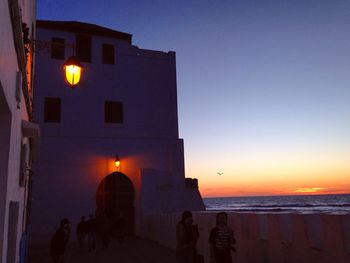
(287, 238)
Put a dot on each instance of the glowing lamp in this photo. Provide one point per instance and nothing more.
(117, 162)
(73, 70)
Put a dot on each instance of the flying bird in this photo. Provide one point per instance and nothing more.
(220, 173)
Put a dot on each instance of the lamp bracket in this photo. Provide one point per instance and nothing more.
(42, 46)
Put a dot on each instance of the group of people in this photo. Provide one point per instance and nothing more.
(61, 237)
(221, 240)
(87, 229)
(100, 226)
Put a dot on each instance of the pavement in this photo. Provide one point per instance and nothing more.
(133, 250)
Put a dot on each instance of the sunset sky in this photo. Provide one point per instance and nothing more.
(263, 86)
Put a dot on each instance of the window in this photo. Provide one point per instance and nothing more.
(113, 112)
(52, 110)
(57, 48)
(83, 48)
(107, 54)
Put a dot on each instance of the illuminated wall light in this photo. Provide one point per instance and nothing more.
(117, 162)
(73, 71)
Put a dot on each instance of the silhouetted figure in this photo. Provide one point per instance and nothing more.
(104, 229)
(59, 241)
(186, 236)
(91, 232)
(81, 232)
(119, 228)
(221, 240)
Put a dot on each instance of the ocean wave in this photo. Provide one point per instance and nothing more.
(281, 210)
(296, 204)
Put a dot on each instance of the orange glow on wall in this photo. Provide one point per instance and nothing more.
(100, 166)
(73, 71)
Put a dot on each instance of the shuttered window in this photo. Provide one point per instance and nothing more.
(52, 110)
(113, 112)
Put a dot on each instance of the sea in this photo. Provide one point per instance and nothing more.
(302, 204)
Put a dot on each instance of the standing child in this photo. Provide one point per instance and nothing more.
(221, 240)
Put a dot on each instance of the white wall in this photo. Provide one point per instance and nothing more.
(292, 238)
(145, 81)
(5, 134)
(69, 171)
(77, 153)
(11, 115)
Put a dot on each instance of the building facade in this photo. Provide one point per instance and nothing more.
(125, 106)
(18, 134)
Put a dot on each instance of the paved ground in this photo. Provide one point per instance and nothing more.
(134, 250)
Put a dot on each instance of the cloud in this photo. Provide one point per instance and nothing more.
(309, 189)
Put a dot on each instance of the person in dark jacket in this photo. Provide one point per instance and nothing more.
(59, 241)
(120, 228)
(81, 232)
(221, 240)
(91, 232)
(103, 229)
(186, 236)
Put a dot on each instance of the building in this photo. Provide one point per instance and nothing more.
(18, 135)
(125, 106)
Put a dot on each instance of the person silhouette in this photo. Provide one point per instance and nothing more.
(59, 241)
(81, 232)
(186, 236)
(120, 227)
(221, 240)
(103, 229)
(91, 232)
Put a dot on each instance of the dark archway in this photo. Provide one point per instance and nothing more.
(115, 197)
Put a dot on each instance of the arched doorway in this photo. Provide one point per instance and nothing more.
(115, 197)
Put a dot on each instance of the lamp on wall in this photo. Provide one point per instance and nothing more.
(117, 162)
(72, 67)
(72, 71)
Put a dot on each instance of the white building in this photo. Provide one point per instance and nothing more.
(126, 105)
(18, 135)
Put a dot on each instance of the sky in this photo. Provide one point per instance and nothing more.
(263, 86)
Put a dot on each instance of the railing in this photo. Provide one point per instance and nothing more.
(292, 238)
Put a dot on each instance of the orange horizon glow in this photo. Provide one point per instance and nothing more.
(282, 179)
(236, 192)
(272, 187)
(271, 169)
(259, 190)
(309, 190)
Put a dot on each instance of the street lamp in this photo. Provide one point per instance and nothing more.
(72, 71)
(72, 67)
(117, 162)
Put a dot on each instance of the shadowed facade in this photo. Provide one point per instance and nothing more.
(126, 104)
